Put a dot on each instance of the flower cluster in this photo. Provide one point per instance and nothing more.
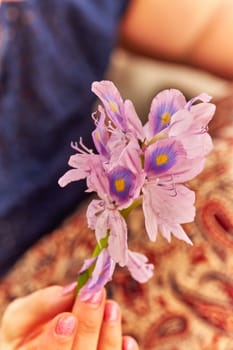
(139, 165)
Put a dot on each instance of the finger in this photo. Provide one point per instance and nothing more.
(30, 311)
(90, 316)
(129, 343)
(111, 333)
(59, 333)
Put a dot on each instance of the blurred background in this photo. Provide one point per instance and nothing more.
(140, 78)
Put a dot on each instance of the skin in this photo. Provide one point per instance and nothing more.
(197, 33)
(97, 323)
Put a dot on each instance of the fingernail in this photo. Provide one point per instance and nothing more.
(111, 311)
(129, 343)
(96, 298)
(66, 326)
(68, 289)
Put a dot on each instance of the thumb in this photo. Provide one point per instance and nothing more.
(33, 311)
(59, 333)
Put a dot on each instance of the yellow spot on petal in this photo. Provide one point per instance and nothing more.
(113, 106)
(165, 118)
(119, 185)
(97, 135)
(161, 159)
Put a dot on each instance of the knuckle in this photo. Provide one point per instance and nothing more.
(88, 326)
(112, 342)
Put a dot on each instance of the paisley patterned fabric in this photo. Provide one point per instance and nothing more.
(188, 304)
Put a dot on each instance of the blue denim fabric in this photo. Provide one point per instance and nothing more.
(50, 52)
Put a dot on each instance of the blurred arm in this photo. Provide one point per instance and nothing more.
(192, 32)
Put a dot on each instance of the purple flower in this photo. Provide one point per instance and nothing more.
(101, 134)
(85, 164)
(168, 159)
(166, 203)
(139, 164)
(137, 264)
(190, 127)
(171, 116)
(112, 101)
(164, 105)
(101, 275)
(103, 219)
(121, 113)
(168, 206)
(161, 157)
(121, 183)
(117, 180)
(123, 180)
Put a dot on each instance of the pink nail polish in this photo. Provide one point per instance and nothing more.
(96, 298)
(66, 326)
(69, 289)
(129, 343)
(111, 311)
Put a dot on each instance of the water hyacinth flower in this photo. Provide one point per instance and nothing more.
(102, 273)
(139, 165)
(163, 107)
(121, 113)
(103, 267)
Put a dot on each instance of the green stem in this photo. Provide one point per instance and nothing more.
(103, 243)
(125, 212)
(83, 277)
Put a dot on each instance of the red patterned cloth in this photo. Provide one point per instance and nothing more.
(188, 304)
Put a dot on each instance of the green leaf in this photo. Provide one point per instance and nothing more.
(82, 279)
(101, 245)
(125, 212)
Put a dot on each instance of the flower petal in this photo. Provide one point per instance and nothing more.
(71, 176)
(149, 213)
(112, 101)
(203, 114)
(197, 146)
(100, 135)
(167, 229)
(162, 156)
(187, 170)
(103, 269)
(166, 203)
(102, 225)
(95, 208)
(182, 122)
(121, 184)
(117, 242)
(87, 263)
(138, 267)
(101, 275)
(191, 129)
(125, 175)
(203, 97)
(163, 106)
(174, 204)
(134, 124)
(97, 181)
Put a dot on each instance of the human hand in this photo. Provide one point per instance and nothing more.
(49, 320)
